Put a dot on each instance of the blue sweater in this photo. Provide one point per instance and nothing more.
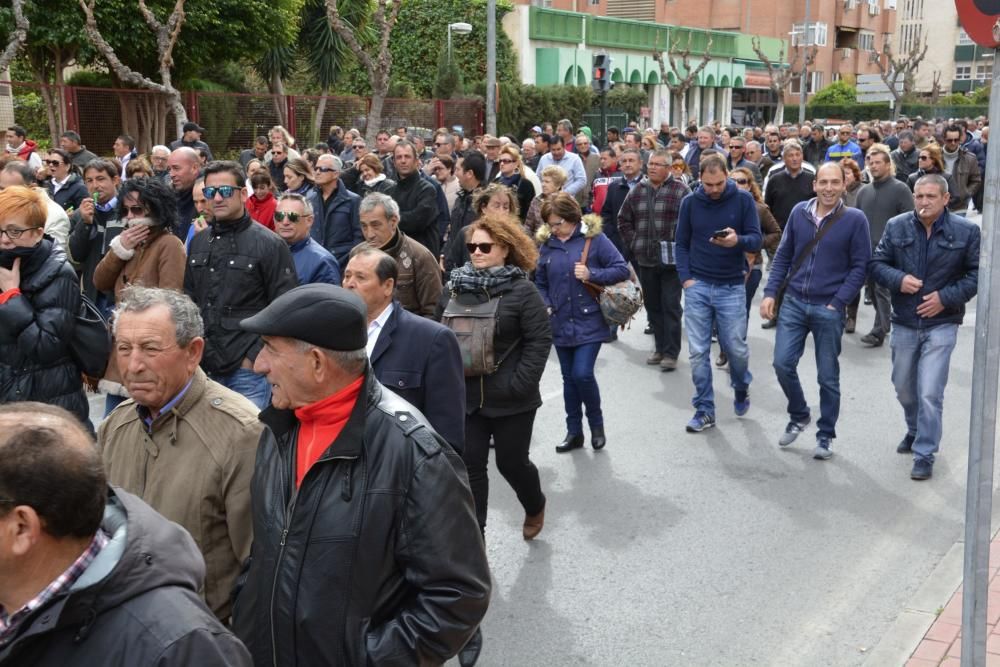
(835, 271)
(699, 218)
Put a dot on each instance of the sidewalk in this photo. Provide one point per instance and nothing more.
(942, 643)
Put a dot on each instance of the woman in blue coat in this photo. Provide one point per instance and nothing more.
(578, 327)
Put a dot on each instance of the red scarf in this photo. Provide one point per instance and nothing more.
(319, 425)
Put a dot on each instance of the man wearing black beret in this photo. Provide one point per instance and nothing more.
(366, 549)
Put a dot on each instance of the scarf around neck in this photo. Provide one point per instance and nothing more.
(495, 280)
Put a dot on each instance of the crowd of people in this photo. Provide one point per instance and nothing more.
(314, 350)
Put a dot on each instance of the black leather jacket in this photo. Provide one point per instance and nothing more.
(234, 271)
(376, 559)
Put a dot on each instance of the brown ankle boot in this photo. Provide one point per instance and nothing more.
(533, 525)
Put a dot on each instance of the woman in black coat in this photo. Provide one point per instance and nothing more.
(66, 187)
(502, 404)
(39, 299)
(511, 174)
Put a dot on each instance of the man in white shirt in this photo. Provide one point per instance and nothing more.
(570, 162)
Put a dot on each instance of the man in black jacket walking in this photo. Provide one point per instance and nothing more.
(417, 199)
(93, 568)
(235, 268)
(366, 548)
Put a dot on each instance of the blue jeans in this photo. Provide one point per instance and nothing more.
(580, 386)
(796, 320)
(244, 381)
(725, 305)
(920, 359)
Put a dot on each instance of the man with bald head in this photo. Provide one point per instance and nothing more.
(184, 165)
(80, 559)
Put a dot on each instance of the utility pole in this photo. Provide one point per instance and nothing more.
(491, 67)
(805, 69)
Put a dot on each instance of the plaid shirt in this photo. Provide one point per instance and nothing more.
(648, 216)
(9, 624)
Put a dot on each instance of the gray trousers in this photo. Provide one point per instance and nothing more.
(882, 299)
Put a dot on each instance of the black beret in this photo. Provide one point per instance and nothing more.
(324, 315)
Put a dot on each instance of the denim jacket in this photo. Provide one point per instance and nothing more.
(947, 262)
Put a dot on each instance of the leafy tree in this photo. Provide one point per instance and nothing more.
(838, 92)
(449, 76)
(981, 95)
(957, 100)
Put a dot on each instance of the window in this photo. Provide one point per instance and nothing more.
(817, 34)
(866, 41)
(963, 72)
(984, 72)
(890, 4)
(850, 4)
(814, 84)
(964, 39)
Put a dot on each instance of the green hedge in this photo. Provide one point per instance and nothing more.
(881, 110)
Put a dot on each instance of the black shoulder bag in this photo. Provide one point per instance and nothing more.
(797, 264)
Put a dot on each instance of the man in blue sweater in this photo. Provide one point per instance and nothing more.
(929, 260)
(717, 224)
(818, 290)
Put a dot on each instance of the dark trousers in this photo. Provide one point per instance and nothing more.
(882, 300)
(512, 437)
(661, 288)
(580, 388)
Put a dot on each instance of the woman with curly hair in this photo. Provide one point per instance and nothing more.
(502, 404)
(573, 253)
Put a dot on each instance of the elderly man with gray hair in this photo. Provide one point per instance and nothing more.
(183, 443)
(336, 227)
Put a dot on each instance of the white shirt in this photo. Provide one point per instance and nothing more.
(375, 328)
(59, 185)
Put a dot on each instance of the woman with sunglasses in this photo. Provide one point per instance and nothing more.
(146, 253)
(511, 174)
(575, 252)
(65, 186)
(744, 179)
(39, 300)
(930, 160)
(502, 405)
(679, 169)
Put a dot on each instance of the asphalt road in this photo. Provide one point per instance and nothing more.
(669, 548)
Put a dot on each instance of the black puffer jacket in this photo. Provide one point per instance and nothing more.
(418, 210)
(522, 322)
(71, 194)
(234, 270)
(35, 330)
(137, 605)
(463, 214)
(377, 559)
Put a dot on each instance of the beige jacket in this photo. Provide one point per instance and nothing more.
(194, 467)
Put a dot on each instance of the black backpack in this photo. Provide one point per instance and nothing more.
(90, 345)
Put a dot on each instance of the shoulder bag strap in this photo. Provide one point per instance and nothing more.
(592, 289)
(811, 245)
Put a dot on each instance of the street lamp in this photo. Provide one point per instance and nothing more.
(461, 29)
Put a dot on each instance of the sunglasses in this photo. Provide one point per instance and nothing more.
(359, 147)
(924, 157)
(280, 216)
(508, 161)
(136, 210)
(226, 191)
(485, 248)
(53, 163)
(325, 170)
(740, 181)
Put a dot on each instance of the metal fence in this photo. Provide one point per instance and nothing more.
(231, 120)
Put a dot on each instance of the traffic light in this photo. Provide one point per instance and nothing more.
(602, 73)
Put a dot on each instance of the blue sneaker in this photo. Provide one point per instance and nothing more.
(700, 422)
(742, 403)
(822, 451)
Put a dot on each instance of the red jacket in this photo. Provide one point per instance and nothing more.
(27, 148)
(599, 189)
(262, 210)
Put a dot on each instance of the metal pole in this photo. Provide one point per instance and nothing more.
(449, 45)
(805, 73)
(983, 420)
(491, 67)
(604, 119)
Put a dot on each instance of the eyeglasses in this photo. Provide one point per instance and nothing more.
(740, 181)
(226, 191)
(664, 165)
(736, 147)
(325, 170)
(441, 143)
(559, 222)
(507, 161)
(924, 157)
(292, 216)
(951, 141)
(13, 233)
(136, 210)
(485, 248)
(53, 163)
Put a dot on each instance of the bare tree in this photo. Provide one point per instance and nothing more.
(782, 76)
(167, 35)
(376, 59)
(900, 70)
(17, 36)
(936, 87)
(680, 65)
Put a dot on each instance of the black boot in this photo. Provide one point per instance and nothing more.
(469, 654)
(597, 439)
(569, 443)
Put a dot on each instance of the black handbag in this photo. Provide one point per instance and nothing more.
(90, 344)
(806, 251)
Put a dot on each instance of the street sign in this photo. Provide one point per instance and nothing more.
(871, 88)
(980, 20)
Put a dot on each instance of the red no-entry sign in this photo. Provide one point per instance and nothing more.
(979, 17)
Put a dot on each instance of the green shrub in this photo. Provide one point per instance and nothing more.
(838, 92)
(89, 79)
(29, 113)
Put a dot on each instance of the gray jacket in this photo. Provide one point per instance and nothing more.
(137, 604)
(882, 200)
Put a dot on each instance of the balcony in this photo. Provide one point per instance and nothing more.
(555, 26)
(626, 34)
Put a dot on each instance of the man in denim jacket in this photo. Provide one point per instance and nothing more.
(929, 260)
